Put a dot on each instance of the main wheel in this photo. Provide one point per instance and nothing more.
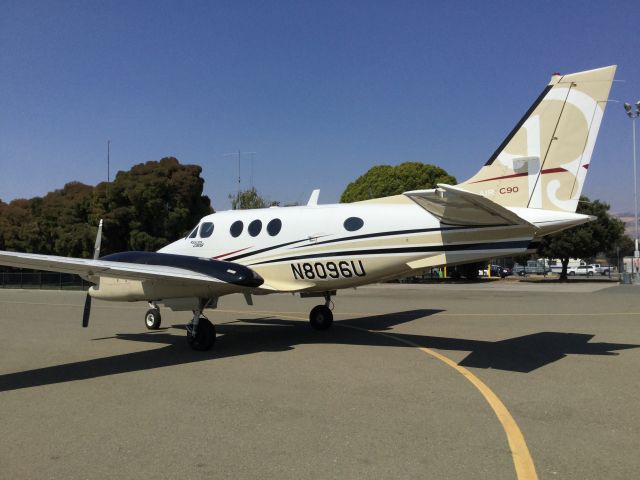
(321, 317)
(205, 335)
(152, 319)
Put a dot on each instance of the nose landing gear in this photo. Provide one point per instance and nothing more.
(321, 316)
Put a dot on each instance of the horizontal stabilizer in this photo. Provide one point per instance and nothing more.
(455, 206)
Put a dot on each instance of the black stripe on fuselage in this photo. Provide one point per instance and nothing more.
(366, 235)
(395, 250)
(385, 234)
(262, 250)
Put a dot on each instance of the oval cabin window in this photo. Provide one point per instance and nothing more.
(353, 223)
(274, 226)
(236, 228)
(254, 228)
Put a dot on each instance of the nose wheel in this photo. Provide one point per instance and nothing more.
(321, 316)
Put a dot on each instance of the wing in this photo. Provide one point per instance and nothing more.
(456, 206)
(140, 266)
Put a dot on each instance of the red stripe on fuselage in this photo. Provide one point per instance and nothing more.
(230, 253)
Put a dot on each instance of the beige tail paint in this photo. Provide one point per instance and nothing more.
(543, 162)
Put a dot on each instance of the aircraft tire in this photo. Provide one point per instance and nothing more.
(152, 319)
(321, 317)
(205, 336)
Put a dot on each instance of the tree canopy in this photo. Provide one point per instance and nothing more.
(386, 180)
(586, 240)
(248, 199)
(144, 208)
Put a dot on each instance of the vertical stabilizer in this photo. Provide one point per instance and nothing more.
(544, 161)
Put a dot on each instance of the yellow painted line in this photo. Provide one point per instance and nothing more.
(522, 460)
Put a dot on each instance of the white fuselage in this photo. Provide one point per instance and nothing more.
(314, 250)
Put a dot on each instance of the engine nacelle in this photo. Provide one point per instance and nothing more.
(119, 289)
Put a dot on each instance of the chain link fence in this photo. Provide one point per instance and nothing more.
(42, 280)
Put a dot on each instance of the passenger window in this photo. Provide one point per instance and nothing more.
(353, 223)
(274, 226)
(194, 232)
(206, 230)
(254, 228)
(236, 228)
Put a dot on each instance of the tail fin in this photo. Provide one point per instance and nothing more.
(544, 161)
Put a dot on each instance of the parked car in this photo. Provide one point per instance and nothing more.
(531, 268)
(601, 269)
(506, 271)
(587, 270)
(496, 271)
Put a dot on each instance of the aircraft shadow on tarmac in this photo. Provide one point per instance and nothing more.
(246, 336)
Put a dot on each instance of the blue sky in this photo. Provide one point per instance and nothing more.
(320, 91)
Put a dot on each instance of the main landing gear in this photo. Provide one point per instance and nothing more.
(321, 317)
(152, 318)
(201, 334)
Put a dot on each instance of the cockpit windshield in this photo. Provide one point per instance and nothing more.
(193, 233)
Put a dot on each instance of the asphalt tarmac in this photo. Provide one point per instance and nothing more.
(276, 399)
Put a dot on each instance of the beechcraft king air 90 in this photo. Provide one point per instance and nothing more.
(528, 188)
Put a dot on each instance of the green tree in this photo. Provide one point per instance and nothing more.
(623, 247)
(151, 205)
(586, 240)
(385, 180)
(144, 208)
(248, 199)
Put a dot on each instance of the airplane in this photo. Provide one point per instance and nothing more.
(527, 189)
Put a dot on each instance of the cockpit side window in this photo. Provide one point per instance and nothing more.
(206, 229)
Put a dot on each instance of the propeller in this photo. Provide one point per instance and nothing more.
(87, 311)
(96, 254)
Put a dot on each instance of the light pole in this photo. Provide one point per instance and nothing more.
(633, 115)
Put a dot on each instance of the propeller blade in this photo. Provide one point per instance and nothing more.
(87, 311)
(96, 248)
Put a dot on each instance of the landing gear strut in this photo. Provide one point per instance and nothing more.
(201, 334)
(152, 318)
(321, 317)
